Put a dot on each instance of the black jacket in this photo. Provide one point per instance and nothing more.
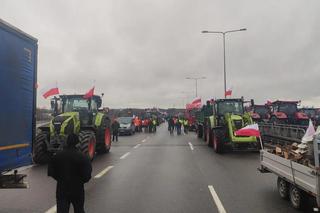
(71, 169)
(115, 126)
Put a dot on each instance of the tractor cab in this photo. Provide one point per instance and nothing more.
(228, 106)
(260, 113)
(87, 108)
(313, 114)
(286, 112)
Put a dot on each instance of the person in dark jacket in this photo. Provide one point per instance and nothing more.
(115, 129)
(71, 169)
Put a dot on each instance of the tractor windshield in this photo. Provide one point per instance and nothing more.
(310, 112)
(79, 104)
(288, 108)
(262, 110)
(234, 107)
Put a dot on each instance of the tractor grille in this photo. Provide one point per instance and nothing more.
(237, 124)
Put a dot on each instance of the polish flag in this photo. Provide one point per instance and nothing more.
(89, 94)
(196, 103)
(250, 130)
(54, 90)
(228, 92)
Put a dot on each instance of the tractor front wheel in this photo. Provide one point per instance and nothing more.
(87, 143)
(40, 153)
(106, 145)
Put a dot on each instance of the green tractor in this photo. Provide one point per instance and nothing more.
(228, 117)
(78, 115)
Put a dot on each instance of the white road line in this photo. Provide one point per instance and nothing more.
(137, 146)
(125, 155)
(144, 140)
(53, 209)
(191, 146)
(216, 199)
(103, 172)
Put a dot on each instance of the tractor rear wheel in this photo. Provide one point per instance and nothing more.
(199, 131)
(87, 143)
(40, 153)
(217, 142)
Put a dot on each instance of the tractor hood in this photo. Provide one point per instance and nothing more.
(63, 124)
(236, 117)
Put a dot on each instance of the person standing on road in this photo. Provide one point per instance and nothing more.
(171, 125)
(154, 125)
(185, 126)
(71, 169)
(178, 125)
(115, 129)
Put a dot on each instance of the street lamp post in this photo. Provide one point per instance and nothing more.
(196, 81)
(224, 52)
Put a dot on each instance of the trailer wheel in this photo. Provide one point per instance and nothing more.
(296, 197)
(87, 143)
(283, 188)
(40, 153)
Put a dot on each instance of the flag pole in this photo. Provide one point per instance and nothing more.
(261, 144)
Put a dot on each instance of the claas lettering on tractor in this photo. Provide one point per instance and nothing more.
(229, 116)
(286, 112)
(78, 115)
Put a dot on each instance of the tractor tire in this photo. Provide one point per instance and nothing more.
(200, 131)
(218, 145)
(40, 154)
(104, 137)
(209, 135)
(87, 143)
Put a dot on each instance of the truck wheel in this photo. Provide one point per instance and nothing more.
(87, 143)
(217, 142)
(283, 188)
(40, 153)
(296, 197)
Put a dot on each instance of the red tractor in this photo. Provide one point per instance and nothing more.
(189, 114)
(260, 113)
(286, 112)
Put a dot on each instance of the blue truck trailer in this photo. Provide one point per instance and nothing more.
(18, 77)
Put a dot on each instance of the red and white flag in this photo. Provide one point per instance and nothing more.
(196, 103)
(89, 94)
(228, 92)
(250, 130)
(50, 91)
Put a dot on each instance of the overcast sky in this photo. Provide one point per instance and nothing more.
(139, 52)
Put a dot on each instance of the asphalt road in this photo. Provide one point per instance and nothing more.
(151, 173)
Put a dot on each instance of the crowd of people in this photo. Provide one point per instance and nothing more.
(176, 123)
(147, 125)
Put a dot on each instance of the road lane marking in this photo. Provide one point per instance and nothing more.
(144, 140)
(191, 146)
(125, 155)
(103, 172)
(53, 209)
(216, 199)
(136, 146)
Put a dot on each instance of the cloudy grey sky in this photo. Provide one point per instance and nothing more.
(139, 52)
